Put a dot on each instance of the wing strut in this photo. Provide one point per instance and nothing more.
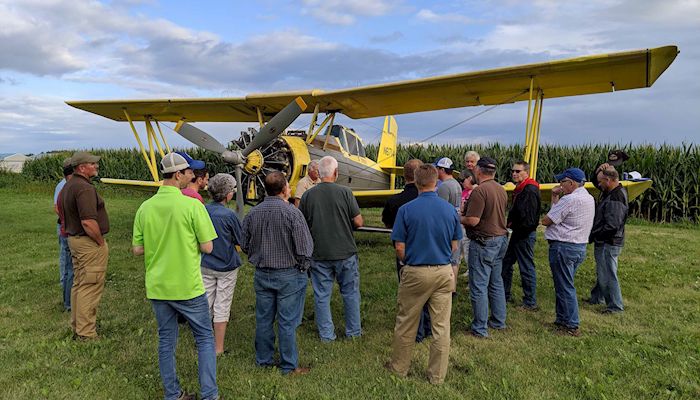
(310, 138)
(150, 162)
(532, 128)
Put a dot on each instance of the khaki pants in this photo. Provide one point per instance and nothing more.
(421, 285)
(90, 267)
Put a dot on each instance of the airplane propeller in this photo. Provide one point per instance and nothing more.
(267, 133)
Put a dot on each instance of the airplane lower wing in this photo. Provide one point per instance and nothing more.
(377, 198)
(634, 189)
(130, 182)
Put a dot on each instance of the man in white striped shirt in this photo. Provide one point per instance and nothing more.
(569, 224)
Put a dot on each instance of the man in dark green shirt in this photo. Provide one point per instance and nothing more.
(332, 213)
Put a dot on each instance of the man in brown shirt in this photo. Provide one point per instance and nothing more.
(485, 223)
(86, 223)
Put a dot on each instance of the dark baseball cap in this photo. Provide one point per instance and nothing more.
(487, 163)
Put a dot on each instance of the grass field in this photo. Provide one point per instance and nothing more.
(652, 350)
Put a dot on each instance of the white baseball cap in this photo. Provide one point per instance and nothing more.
(444, 162)
(173, 162)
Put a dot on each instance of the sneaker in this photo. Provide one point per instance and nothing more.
(299, 371)
(609, 311)
(186, 396)
(565, 331)
(476, 335)
(524, 307)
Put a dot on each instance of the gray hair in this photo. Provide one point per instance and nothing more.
(472, 153)
(220, 185)
(327, 166)
(313, 164)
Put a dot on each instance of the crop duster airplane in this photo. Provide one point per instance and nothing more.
(258, 152)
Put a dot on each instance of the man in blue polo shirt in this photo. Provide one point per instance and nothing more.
(426, 232)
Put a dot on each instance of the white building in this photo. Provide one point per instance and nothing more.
(13, 163)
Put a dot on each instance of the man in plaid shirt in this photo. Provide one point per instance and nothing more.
(278, 243)
(568, 223)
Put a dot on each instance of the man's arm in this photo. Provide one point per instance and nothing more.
(455, 244)
(357, 222)
(400, 250)
(93, 230)
(206, 247)
(470, 221)
(137, 250)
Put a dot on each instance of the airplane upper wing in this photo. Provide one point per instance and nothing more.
(570, 77)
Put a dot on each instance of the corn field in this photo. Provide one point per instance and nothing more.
(674, 196)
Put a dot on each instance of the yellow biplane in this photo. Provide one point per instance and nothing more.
(256, 153)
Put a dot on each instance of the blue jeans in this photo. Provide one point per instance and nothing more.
(564, 259)
(486, 284)
(424, 328)
(279, 294)
(522, 250)
(347, 273)
(65, 265)
(607, 287)
(196, 312)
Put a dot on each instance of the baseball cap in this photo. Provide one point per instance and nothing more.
(444, 162)
(575, 174)
(194, 164)
(83, 157)
(617, 157)
(67, 163)
(173, 162)
(487, 162)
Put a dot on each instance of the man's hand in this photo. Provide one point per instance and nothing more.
(400, 250)
(137, 250)
(92, 229)
(546, 221)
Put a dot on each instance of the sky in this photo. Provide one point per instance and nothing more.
(58, 50)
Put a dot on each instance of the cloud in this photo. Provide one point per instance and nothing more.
(388, 38)
(340, 12)
(106, 46)
(432, 17)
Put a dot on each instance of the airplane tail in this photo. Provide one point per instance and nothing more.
(386, 156)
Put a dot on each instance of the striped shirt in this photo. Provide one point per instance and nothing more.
(275, 236)
(572, 217)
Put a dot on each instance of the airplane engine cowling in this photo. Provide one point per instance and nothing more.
(285, 154)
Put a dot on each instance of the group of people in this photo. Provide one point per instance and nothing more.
(426, 219)
(191, 254)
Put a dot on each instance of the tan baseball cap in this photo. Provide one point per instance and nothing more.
(67, 163)
(83, 157)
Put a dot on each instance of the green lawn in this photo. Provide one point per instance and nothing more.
(652, 350)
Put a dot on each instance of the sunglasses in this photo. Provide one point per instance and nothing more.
(516, 171)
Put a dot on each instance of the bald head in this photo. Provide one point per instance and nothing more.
(275, 183)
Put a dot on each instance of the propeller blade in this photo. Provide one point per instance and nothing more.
(239, 191)
(199, 137)
(277, 125)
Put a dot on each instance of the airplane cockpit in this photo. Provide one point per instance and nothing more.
(348, 140)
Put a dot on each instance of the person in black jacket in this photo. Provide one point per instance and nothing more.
(608, 235)
(523, 219)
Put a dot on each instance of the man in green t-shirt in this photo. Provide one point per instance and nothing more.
(171, 231)
(332, 213)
